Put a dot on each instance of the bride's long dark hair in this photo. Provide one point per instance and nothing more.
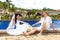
(16, 16)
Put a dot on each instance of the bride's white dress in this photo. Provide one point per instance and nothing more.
(20, 28)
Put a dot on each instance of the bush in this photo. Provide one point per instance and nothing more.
(6, 16)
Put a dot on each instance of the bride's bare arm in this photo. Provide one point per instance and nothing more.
(11, 25)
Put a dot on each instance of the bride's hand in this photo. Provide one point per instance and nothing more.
(8, 29)
(33, 24)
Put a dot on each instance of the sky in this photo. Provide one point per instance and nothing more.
(36, 4)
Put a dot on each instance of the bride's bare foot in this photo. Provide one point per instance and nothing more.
(26, 34)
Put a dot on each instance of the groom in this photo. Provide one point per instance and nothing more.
(45, 22)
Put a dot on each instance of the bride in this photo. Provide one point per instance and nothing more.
(20, 25)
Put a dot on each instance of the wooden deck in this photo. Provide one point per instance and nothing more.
(47, 35)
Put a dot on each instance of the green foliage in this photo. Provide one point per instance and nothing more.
(56, 17)
(1, 4)
(12, 9)
(5, 16)
(30, 15)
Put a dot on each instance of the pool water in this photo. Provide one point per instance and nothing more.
(4, 24)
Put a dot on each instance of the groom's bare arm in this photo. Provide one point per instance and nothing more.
(53, 27)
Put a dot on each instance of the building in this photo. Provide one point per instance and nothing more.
(54, 12)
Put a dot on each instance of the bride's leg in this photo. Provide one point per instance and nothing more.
(31, 32)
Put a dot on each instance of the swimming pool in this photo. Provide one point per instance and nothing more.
(4, 24)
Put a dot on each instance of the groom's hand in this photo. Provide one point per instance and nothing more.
(55, 30)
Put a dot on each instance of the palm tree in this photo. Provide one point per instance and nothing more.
(11, 7)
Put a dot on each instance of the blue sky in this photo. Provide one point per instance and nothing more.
(36, 4)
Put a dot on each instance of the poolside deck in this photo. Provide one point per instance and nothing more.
(32, 37)
(46, 36)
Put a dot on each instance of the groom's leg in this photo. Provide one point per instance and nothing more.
(42, 29)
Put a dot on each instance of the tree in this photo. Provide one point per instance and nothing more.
(12, 9)
(31, 14)
(47, 9)
(5, 16)
(1, 4)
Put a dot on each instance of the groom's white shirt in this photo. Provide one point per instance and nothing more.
(47, 20)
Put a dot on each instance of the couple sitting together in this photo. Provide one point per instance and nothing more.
(22, 27)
